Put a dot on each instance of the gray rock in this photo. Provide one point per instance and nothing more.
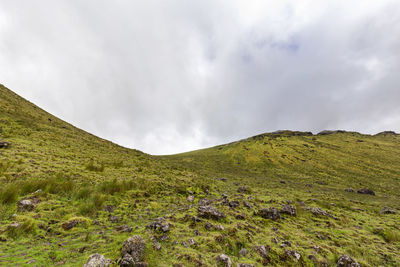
(366, 191)
(262, 251)
(244, 265)
(388, 210)
(190, 198)
(134, 247)
(25, 205)
(210, 212)
(204, 202)
(293, 253)
(269, 213)
(156, 245)
(97, 260)
(224, 260)
(114, 219)
(247, 204)
(320, 212)
(347, 261)
(124, 228)
(289, 209)
(243, 252)
(350, 190)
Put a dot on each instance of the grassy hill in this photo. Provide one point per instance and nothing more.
(89, 195)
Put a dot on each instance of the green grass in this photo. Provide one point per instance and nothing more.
(74, 174)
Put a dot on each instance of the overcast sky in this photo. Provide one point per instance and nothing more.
(171, 76)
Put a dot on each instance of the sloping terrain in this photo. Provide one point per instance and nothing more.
(66, 194)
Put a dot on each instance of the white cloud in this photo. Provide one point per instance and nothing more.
(173, 76)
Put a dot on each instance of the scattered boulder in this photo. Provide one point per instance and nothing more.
(320, 212)
(224, 260)
(124, 228)
(388, 210)
(347, 261)
(269, 213)
(366, 191)
(309, 185)
(70, 224)
(350, 190)
(97, 260)
(4, 144)
(132, 251)
(321, 183)
(289, 209)
(25, 205)
(13, 226)
(159, 225)
(210, 212)
(244, 265)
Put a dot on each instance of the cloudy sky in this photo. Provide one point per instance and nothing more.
(169, 76)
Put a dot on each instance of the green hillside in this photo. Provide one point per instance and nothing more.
(87, 195)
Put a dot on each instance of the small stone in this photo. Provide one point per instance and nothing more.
(293, 254)
(243, 252)
(114, 219)
(190, 198)
(262, 251)
(224, 260)
(219, 227)
(234, 204)
(247, 204)
(350, 190)
(4, 144)
(70, 224)
(109, 208)
(124, 228)
(156, 245)
(244, 265)
(25, 205)
(97, 260)
(242, 189)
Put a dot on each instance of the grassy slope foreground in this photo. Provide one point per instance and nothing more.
(89, 195)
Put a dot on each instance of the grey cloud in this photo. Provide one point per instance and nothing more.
(173, 76)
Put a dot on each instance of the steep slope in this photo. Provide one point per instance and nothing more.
(88, 195)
